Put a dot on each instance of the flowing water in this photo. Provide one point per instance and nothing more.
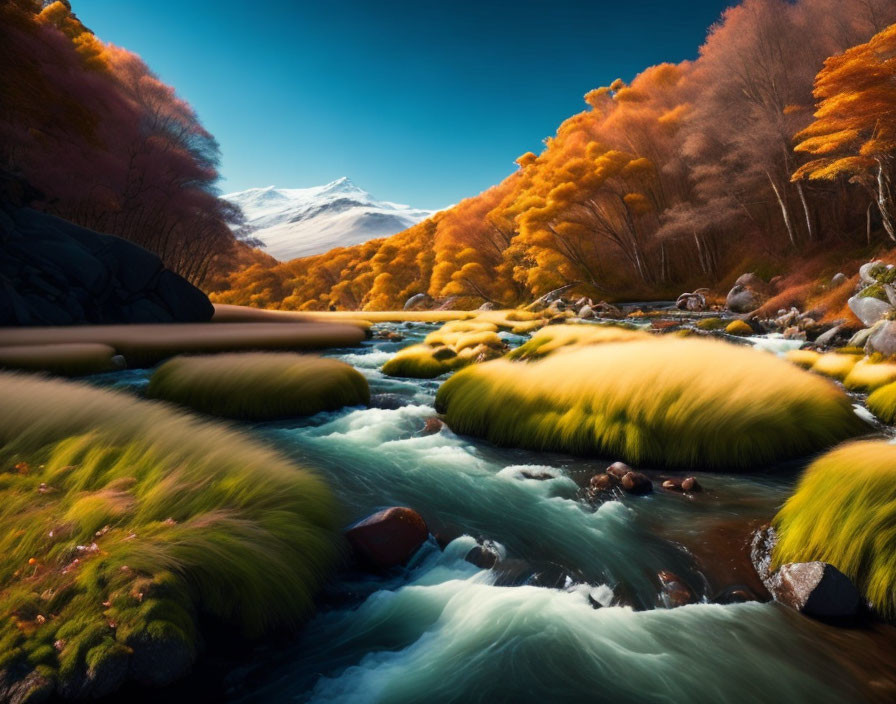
(575, 610)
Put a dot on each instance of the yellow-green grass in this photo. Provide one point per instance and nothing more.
(555, 337)
(660, 401)
(844, 512)
(420, 362)
(738, 327)
(392, 316)
(868, 375)
(73, 359)
(259, 385)
(144, 345)
(835, 365)
(711, 324)
(459, 340)
(802, 358)
(451, 347)
(882, 403)
(122, 521)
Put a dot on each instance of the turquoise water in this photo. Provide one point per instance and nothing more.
(443, 630)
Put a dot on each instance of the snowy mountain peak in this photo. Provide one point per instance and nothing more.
(300, 222)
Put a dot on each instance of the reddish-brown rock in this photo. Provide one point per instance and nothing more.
(389, 537)
(637, 483)
(618, 469)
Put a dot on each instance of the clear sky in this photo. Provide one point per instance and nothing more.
(417, 101)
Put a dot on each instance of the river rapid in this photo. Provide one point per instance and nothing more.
(574, 610)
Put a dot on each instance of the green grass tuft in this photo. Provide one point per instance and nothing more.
(844, 512)
(867, 375)
(662, 401)
(555, 337)
(454, 345)
(259, 386)
(882, 403)
(121, 520)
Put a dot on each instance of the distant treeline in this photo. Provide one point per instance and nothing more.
(99, 140)
(778, 140)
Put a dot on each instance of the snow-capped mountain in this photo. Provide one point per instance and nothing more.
(299, 222)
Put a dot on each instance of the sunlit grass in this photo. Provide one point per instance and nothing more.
(663, 401)
(260, 385)
(882, 403)
(67, 359)
(868, 375)
(802, 358)
(844, 512)
(835, 365)
(555, 337)
(121, 520)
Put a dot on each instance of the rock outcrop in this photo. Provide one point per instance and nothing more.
(54, 272)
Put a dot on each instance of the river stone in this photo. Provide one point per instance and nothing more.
(618, 469)
(389, 537)
(826, 338)
(882, 339)
(637, 483)
(741, 299)
(673, 591)
(838, 279)
(815, 589)
(484, 555)
(418, 300)
(868, 309)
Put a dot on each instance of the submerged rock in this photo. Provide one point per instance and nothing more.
(389, 537)
(736, 594)
(686, 484)
(433, 425)
(815, 589)
(618, 470)
(673, 591)
(484, 555)
(637, 483)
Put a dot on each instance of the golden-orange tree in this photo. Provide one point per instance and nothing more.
(854, 132)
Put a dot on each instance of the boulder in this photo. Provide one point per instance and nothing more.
(838, 279)
(826, 338)
(54, 272)
(602, 482)
(637, 483)
(418, 300)
(882, 339)
(742, 300)
(673, 591)
(389, 537)
(586, 312)
(816, 589)
(695, 302)
(488, 305)
(868, 309)
(618, 469)
(870, 272)
(484, 555)
(432, 425)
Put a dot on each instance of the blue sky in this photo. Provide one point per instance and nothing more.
(419, 102)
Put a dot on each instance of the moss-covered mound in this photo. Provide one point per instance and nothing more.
(835, 365)
(454, 345)
(259, 386)
(802, 358)
(882, 403)
(68, 359)
(663, 401)
(868, 375)
(121, 521)
(844, 512)
(555, 337)
(738, 327)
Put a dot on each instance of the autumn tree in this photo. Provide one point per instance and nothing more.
(854, 131)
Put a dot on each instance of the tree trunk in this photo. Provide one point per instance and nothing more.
(784, 211)
(810, 230)
(868, 223)
(883, 200)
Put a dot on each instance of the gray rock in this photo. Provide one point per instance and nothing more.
(586, 312)
(741, 299)
(826, 338)
(418, 300)
(868, 309)
(815, 589)
(870, 272)
(860, 338)
(488, 305)
(882, 338)
(838, 280)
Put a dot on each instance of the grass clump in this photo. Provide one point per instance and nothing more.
(738, 327)
(451, 347)
(835, 365)
(662, 401)
(882, 403)
(71, 359)
(260, 385)
(844, 512)
(121, 521)
(802, 358)
(868, 375)
(711, 324)
(556, 337)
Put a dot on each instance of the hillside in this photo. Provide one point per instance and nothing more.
(687, 176)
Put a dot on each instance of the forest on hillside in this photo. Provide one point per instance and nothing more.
(773, 151)
(90, 134)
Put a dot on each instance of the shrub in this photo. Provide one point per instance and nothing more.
(844, 512)
(121, 520)
(260, 385)
(665, 401)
